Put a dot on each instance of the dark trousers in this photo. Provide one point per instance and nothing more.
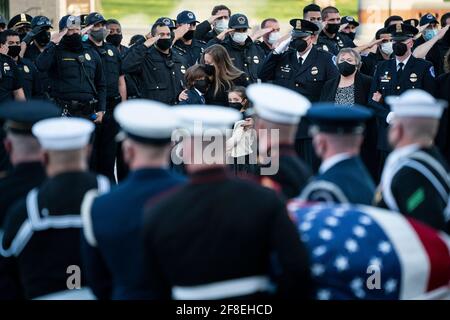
(305, 151)
(105, 147)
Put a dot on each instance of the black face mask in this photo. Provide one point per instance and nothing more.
(114, 39)
(164, 44)
(299, 45)
(201, 85)
(13, 51)
(235, 105)
(333, 28)
(346, 68)
(399, 49)
(42, 38)
(72, 42)
(210, 70)
(351, 35)
(189, 35)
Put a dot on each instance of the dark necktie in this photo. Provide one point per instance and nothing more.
(400, 70)
(300, 61)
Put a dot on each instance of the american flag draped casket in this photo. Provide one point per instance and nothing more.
(361, 252)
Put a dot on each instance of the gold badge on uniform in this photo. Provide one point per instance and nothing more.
(398, 28)
(23, 17)
(413, 77)
(183, 69)
(110, 52)
(26, 69)
(298, 24)
(314, 71)
(256, 59)
(87, 56)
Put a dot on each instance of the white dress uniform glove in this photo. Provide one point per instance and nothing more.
(390, 117)
(283, 46)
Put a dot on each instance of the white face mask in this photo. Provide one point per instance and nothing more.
(239, 37)
(386, 48)
(274, 37)
(221, 25)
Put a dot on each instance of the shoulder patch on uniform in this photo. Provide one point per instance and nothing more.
(415, 200)
(432, 72)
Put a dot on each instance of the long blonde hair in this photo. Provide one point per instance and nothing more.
(225, 71)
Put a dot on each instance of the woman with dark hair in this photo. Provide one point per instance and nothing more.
(443, 92)
(222, 73)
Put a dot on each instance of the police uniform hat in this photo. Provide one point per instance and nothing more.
(428, 18)
(416, 103)
(166, 21)
(412, 22)
(401, 31)
(238, 21)
(186, 17)
(94, 18)
(63, 133)
(20, 116)
(69, 21)
(20, 19)
(146, 121)
(41, 22)
(209, 117)
(332, 119)
(303, 28)
(349, 20)
(3, 20)
(277, 104)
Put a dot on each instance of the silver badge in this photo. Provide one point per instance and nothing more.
(241, 20)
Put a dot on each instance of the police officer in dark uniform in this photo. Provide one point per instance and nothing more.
(21, 23)
(160, 69)
(298, 65)
(110, 243)
(395, 76)
(383, 53)
(274, 111)
(415, 179)
(338, 136)
(270, 29)
(42, 231)
(244, 53)
(330, 39)
(36, 40)
(76, 74)
(189, 48)
(131, 79)
(105, 147)
(220, 247)
(115, 35)
(32, 85)
(215, 25)
(434, 54)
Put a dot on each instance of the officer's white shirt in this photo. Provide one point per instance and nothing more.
(334, 160)
(405, 62)
(304, 56)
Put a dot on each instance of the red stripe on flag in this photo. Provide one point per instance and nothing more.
(438, 254)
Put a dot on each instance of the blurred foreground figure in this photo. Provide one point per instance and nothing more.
(203, 241)
(361, 252)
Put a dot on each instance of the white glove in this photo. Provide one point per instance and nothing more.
(283, 46)
(390, 117)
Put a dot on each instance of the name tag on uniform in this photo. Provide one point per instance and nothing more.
(385, 78)
(286, 68)
(69, 59)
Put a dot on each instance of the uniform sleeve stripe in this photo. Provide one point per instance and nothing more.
(86, 207)
(325, 186)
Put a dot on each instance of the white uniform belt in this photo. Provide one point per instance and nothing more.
(75, 294)
(223, 289)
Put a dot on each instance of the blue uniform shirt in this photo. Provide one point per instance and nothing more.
(114, 266)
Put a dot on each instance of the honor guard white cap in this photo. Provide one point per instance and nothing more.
(146, 121)
(277, 104)
(196, 117)
(63, 133)
(415, 103)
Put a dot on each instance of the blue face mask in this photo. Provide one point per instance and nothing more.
(429, 34)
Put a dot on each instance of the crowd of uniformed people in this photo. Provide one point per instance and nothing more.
(88, 175)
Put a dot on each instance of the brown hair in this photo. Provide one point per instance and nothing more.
(225, 71)
(328, 10)
(219, 8)
(194, 73)
(241, 91)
